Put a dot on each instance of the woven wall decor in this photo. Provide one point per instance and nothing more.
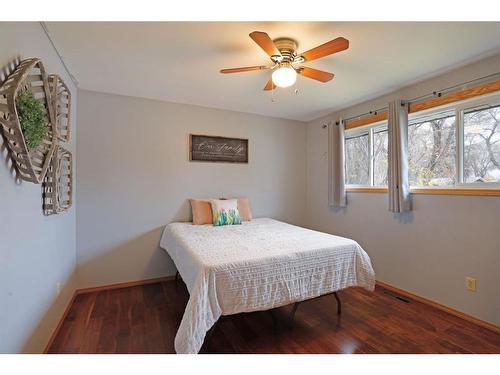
(58, 183)
(28, 75)
(61, 102)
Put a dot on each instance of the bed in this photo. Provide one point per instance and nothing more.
(259, 265)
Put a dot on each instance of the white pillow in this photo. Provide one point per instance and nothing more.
(225, 212)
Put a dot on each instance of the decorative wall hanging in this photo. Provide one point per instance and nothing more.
(218, 149)
(58, 183)
(27, 91)
(35, 112)
(61, 102)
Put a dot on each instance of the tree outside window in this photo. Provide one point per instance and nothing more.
(357, 160)
(482, 145)
(434, 158)
(431, 152)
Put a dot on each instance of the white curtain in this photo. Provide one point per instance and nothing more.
(399, 186)
(336, 165)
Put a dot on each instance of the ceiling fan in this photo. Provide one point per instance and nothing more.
(286, 62)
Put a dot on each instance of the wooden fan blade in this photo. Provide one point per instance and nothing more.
(331, 47)
(245, 69)
(316, 74)
(269, 85)
(265, 42)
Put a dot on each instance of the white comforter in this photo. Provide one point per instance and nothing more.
(258, 265)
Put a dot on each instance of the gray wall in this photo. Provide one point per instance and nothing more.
(430, 251)
(36, 252)
(134, 176)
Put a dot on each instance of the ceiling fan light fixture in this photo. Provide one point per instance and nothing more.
(284, 76)
(287, 63)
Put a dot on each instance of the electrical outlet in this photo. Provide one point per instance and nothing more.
(470, 284)
(58, 289)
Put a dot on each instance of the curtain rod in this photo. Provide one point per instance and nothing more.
(427, 96)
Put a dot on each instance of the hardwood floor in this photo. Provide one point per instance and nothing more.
(144, 319)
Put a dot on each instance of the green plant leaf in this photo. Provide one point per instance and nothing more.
(31, 113)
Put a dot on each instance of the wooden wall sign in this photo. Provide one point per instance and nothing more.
(218, 149)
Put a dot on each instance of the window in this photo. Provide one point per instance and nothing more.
(432, 150)
(357, 160)
(481, 154)
(380, 165)
(458, 146)
(366, 156)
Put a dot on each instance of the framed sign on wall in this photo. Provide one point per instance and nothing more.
(218, 149)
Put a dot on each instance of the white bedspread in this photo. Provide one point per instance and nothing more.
(258, 265)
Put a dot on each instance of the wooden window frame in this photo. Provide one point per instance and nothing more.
(430, 191)
(474, 92)
(477, 96)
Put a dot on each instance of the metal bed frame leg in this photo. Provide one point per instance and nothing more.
(177, 278)
(275, 321)
(291, 318)
(208, 338)
(339, 305)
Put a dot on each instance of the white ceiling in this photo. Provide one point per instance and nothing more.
(180, 61)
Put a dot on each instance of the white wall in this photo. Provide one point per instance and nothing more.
(36, 252)
(430, 251)
(134, 176)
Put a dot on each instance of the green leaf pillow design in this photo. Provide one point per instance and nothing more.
(225, 212)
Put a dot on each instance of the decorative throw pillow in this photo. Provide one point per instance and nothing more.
(225, 212)
(244, 209)
(202, 211)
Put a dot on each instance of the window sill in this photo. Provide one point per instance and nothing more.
(456, 191)
(431, 191)
(366, 189)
